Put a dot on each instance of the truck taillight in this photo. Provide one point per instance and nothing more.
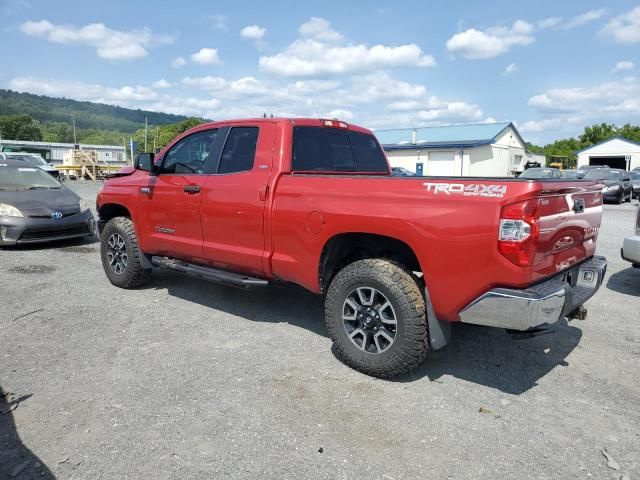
(518, 232)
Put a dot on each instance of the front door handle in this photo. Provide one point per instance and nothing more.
(192, 188)
(145, 190)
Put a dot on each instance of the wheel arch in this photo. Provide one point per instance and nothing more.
(345, 248)
(111, 210)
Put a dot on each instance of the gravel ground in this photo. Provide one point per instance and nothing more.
(185, 379)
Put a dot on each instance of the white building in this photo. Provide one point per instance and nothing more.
(616, 152)
(482, 150)
(56, 152)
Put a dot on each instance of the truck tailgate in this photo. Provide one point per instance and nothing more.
(569, 221)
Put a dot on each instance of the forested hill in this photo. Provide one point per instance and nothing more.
(88, 115)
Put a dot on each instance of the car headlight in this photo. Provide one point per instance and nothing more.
(83, 205)
(9, 211)
(612, 188)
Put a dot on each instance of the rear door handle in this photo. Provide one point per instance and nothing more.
(145, 190)
(192, 188)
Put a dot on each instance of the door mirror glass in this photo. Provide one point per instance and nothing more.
(145, 162)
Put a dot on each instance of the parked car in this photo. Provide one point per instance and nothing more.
(631, 245)
(541, 173)
(573, 174)
(617, 183)
(635, 183)
(35, 207)
(402, 172)
(33, 159)
(313, 202)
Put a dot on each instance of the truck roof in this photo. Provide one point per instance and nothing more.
(308, 122)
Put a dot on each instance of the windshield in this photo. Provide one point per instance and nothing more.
(24, 178)
(537, 173)
(602, 174)
(634, 175)
(32, 159)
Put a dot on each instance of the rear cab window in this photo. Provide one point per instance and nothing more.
(323, 149)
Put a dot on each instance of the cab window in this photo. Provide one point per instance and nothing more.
(189, 156)
(239, 150)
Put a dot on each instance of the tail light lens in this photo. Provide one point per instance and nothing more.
(518, 233)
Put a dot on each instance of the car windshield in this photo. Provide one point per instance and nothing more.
(569, 174)
(603, 174)
(25, 178)
(537, 173)
(634, 175)
(32, 159)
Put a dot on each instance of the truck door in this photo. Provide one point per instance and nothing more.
(235, 197)
(170, 202)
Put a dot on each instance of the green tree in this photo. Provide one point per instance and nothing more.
(598, 133)
(20, 127)
(163, 134)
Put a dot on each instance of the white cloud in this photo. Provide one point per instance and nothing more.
(584, 18)
(206, 83)
(82, 91)
(178, 62)
(109, 44)
(162, 83)
(126, 96)
(320, 53)
(623, 66)
(219, 22)
(319, 29)
(206, 56)
(339, 114)
(381, 86)
(606, 96)
(492, 42)
(253, 32)
(563, 111)
(624, 28)
(511, 69)
(548, 22)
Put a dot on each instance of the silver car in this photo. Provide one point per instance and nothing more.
(631, 245)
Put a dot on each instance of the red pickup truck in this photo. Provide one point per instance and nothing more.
(312, 202)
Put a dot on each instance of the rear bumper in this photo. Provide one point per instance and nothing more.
(542, 303)
(631, 249)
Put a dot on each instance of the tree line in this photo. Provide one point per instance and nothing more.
(591, 135)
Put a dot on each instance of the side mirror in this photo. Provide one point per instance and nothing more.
(145, 162)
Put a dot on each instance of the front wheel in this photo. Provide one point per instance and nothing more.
(121, 254)
(375, 315)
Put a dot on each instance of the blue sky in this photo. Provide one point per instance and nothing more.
(551, 67)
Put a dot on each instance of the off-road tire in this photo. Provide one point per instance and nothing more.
(134, 275)
(411, 341)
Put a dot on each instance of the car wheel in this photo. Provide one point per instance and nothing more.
(375, 315)
(620, 198)
(121, 255)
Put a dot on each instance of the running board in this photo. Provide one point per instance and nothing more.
(208, 273)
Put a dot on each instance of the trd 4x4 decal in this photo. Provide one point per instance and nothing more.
(471, 190)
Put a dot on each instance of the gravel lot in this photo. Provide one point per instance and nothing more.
(185, 379)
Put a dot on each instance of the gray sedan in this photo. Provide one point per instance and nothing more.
(35, 207)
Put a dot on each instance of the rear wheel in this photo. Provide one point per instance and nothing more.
(375, 314)
(121, 254)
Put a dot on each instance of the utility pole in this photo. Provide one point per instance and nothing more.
(75, 139)
(146, 128)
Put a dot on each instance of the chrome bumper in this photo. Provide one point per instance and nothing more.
(542, 303)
